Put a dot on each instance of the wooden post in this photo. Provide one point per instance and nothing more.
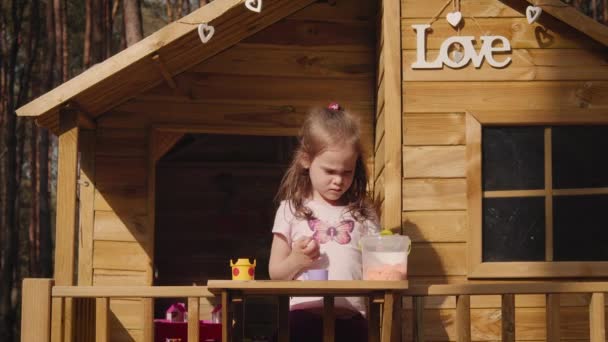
(463, 318)
(102, 319)
(65, 231)
(508, 318)
(148, 319)
(238, 306)
(393, 115)
(387, 317)
(283, 319)
(552, 314)
(193, 320)
(329, 319)
(36, 310)
(597, 314)
(57, 315)
(418, 319)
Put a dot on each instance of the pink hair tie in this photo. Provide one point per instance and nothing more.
(334, 106)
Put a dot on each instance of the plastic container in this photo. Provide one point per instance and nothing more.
(385, 257)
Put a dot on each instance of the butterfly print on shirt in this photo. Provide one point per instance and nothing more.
(324, 232)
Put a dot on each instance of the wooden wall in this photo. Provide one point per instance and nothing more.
(553, 67)
(263, 85)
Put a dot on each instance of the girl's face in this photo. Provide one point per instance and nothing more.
(331, 172)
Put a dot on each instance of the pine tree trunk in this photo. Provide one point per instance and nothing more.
(132, 21)
(58, 38)
(86, 54)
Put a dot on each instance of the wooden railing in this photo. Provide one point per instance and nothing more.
(39, 293)
(551, 290)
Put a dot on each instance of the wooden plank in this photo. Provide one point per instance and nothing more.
(379, 131)
(495, 301)
(575, 18)
(391, 32)
(471, 8)
(526, 65)
(552, 116)
(193, 319)
(122, 199)
(374, 320)
(226, 316)
(103, 277)
(434, 194)
(379, 160)
(329, 319)
(102, 319)
(553, 317)
(474, 189)
(597, 317)
(548, 167)
(164, 142)
(433, 129)
(128, 313)
(36, 310)
(148, 317)
(565, 269)
(111, 226)
(437, 259)
(86, 214)
(121, 142)
(57, 319)
(283, 319)
(517, 96)
(118, 255)
(520, 34)
(435, 226)
(508, 318)
(463, 318)
(341, 11)
(288, 61)
(434, 162)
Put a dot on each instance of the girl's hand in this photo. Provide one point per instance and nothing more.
(305, 251)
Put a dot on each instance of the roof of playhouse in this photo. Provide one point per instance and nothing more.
(169, 51)
(177, 47)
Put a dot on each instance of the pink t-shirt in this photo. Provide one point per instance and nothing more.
(338, 235)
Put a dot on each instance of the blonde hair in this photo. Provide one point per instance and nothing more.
(324, 127)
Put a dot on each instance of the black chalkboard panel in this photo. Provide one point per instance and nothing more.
(579, 156)
(580, 228)
(513, 229)
(513, 158)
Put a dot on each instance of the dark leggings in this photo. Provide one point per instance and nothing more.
(305, 326)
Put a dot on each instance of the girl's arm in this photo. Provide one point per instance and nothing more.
(286, 262)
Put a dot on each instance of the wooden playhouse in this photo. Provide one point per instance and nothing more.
(485, 140)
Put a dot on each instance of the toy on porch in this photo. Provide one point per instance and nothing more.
(243, 269)
(176, 312)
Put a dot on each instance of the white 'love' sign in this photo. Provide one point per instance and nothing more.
(486, 51)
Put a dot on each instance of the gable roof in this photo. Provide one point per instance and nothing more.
(575, 18)
(169, 51)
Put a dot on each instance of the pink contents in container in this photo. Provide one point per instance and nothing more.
(385, 257)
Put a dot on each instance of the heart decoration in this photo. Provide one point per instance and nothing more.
(205, 32)
(454, 18)
(456, 55)
(532, 13)
(254, 5)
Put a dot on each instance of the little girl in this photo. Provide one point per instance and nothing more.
(324, 211)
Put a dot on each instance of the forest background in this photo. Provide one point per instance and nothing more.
(43, 43)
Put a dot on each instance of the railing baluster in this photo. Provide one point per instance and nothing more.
(36, 308)
(102, 319)
(388, 317)
(374, 318)
(508, 317)
(148, 333)
(226, 317)
(597, 313)
(57, 305)
(552, 314)
(283, 319)
(418, 319)
(193, 320)
(463, 318)
(329, 319)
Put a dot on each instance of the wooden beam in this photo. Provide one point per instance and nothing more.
(36, 310)
(193, 322)
(552, 315)
(102, 319)
(575, 18)
(597, 314)
(163, 70)
(393, 152)
(508, 317)
(86, 187)
(463, 318)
